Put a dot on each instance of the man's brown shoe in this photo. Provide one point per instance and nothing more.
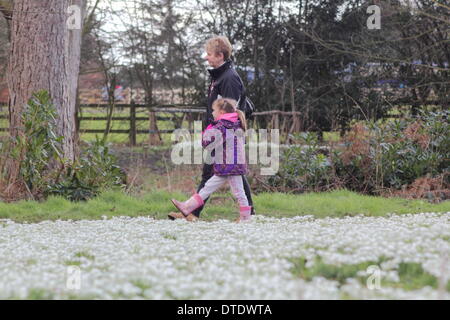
(178, 215)
(191, 217)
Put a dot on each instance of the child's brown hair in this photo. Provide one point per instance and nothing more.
(229, 106)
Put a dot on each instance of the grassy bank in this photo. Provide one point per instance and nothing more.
(411, 276)
(221, 206)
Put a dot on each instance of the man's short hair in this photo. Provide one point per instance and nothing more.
(220, 44)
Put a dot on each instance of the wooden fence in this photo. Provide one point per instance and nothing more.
(290, 121)
(189, 112)
(286, 122)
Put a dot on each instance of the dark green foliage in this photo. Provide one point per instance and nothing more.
(93, 172)
(46, 172)
(395, 154)
(320, 58)
(372, 158)
(305, 166)
(39, 142)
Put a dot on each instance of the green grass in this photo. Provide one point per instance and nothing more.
(118, 138)
(72, 263)
(342, 203)
(412, 276)
(141, 284)
(84, 254)
(109, 204)
(77, 258)
(331, 136)
(46, 294)
(123, 125)
(157, 204)
(39, 294)
(339, 273)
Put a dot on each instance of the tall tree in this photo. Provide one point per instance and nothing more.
(45, 55)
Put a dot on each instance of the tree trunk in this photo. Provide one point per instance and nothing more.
(44, 54)
(67, 111)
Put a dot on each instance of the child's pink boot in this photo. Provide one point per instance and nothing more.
(244, 214)
(189, 205)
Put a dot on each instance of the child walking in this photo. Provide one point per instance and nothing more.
(227, 119)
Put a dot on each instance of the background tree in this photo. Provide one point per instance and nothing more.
(161, 52)
(319, 57)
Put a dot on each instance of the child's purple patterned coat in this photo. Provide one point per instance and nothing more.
(230, 122)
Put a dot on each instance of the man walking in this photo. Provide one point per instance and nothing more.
(225, 83)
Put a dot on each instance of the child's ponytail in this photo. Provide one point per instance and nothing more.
(242, 119)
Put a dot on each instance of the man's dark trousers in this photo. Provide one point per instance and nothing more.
(207, 173)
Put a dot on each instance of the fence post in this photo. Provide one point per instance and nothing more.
(295, 123)
(132, 123)
(277, 121)
(155, 136)
(298, 123)
(283, 131)
(190, 117)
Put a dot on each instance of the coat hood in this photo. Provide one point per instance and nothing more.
(229, 120)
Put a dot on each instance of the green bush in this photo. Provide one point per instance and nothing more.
(43, 169)
(39, 142)
(394, 154)
(371, 158)
(305, 166)
(93, 172)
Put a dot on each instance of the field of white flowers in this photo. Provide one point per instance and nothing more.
(143, 258)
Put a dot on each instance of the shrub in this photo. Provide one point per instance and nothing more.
(371, 158)
(39, 142)
(393, 155)
(45, 172)
(94, 171)
(305, 166)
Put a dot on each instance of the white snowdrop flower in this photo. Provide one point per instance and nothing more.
(134, 258)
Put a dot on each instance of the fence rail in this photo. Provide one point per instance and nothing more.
(286, 121)
(290, 123)
(190, 113)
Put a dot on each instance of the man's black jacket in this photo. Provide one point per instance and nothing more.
(225, 82)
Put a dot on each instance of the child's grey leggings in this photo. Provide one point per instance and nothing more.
(237, 187)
